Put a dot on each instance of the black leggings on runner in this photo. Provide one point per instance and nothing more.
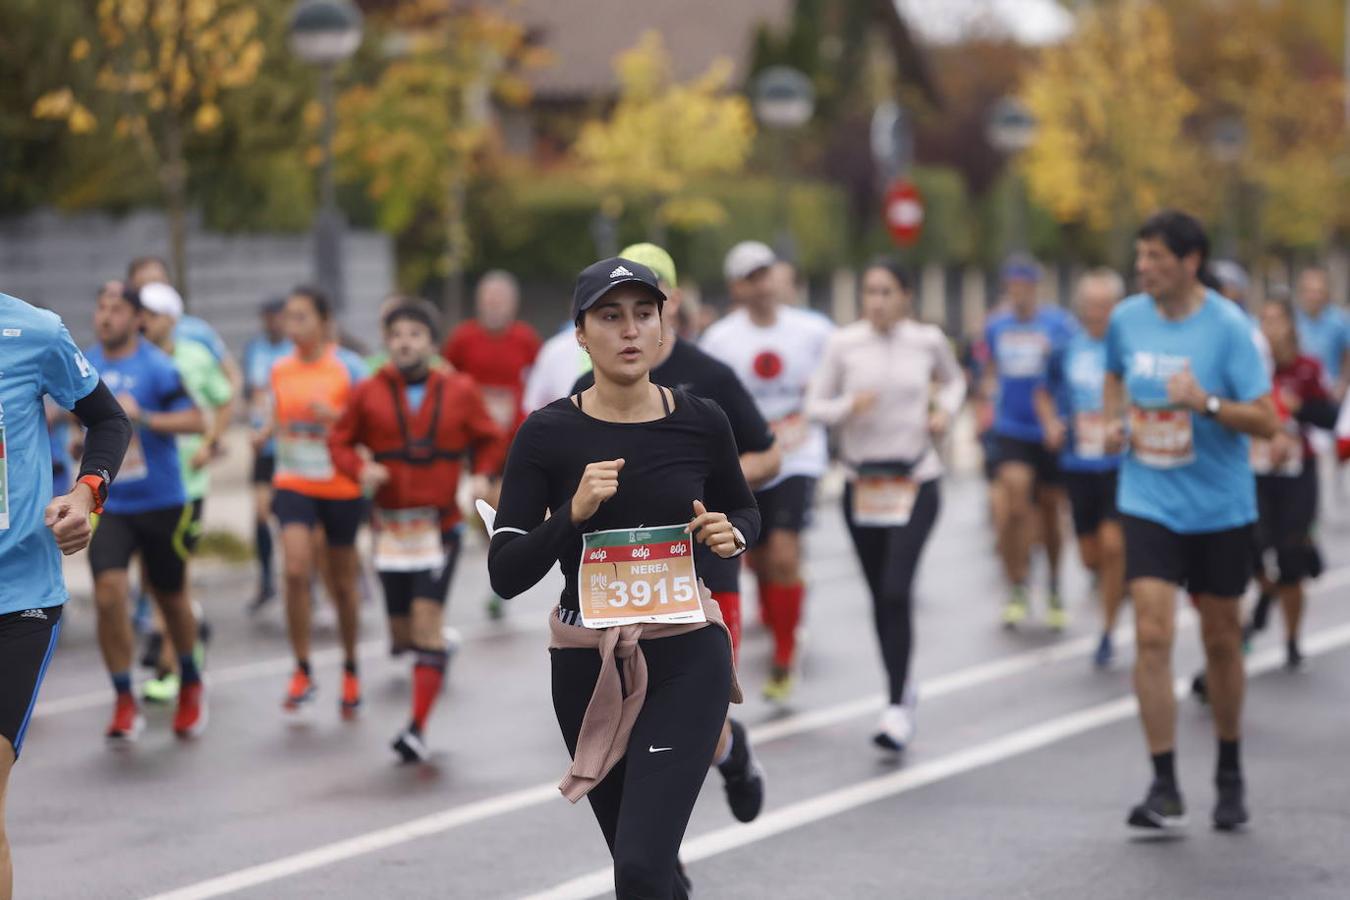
(644, 804)
(889, 558)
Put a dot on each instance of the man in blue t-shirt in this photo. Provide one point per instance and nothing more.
(1324, 328)
(1181, 364)
(38, 359)
(146, 513)
(1021, 340)
(1069, 406)
(260, 354)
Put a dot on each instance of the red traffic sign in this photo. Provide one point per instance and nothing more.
(904, 213)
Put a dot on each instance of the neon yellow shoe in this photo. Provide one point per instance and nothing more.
(778, 689)
(161, 690)
(1015, 611)
(1056, 617)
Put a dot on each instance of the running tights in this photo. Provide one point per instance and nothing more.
(889, 558)
(644, 804)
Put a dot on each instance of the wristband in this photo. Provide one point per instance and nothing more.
(98, 484)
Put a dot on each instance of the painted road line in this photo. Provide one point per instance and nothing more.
(833, 803)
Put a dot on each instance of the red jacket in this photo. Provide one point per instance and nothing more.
(498, 361)
(423, 467)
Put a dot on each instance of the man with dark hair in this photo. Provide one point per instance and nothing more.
(1181, 364)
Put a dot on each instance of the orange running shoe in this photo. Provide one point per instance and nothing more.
(190, 720)
(127, 722)
(300, 693)
(351, 696)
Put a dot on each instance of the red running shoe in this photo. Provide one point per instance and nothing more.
(300, 693)
(127, 722)
(351, 696)
(190, 720)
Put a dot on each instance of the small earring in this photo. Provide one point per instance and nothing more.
(660, 343)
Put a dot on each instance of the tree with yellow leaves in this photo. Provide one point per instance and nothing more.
(165, 64)
(1112, 112)
(416, 135)
(663, 135)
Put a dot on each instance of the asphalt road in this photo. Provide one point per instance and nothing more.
(1017, 785)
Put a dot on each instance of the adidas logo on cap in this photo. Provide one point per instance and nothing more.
(620, 271)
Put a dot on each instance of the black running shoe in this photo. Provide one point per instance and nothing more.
(1293, 657)
(744, 777)
(154, 646)
(1261, 614)
(1200, 688)
(1230, 809)
(1162, 809)
(410, 747)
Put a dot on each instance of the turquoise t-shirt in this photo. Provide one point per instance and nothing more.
(1077, 373)
(1184, 470)
(37, 357)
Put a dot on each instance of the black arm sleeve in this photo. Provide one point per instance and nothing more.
(525, 545)
(1319, 412)
(727, 491)
(109, 431)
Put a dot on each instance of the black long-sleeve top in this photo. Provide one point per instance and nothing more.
(669, 463)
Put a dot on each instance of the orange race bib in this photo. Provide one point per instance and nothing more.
(884, 495)
(629, 576)
(791, 432)
(1162, 436)
(1089, 435)
(408, 540)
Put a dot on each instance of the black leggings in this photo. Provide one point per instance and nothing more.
(889, 558)
(644, 803)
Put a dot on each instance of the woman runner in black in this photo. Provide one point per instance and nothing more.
(641, 717)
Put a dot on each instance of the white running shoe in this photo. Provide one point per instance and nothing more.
(896, 729)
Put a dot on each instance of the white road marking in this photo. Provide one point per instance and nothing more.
(943, 685)
(832, 803)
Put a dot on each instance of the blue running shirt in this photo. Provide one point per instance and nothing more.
(150, 477)
(1020, 352)
(1077, 373)
(37, 357)
(1184, 470)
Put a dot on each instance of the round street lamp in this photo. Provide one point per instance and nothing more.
(1011, 129)
(784, 99)
(325, 33)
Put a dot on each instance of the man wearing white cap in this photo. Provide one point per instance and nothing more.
(774, 349)
(209, 386)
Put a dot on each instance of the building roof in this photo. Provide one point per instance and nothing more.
(584, 36)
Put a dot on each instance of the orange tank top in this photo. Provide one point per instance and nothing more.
(301, 394)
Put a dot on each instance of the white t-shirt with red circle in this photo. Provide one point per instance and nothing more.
(775, 363)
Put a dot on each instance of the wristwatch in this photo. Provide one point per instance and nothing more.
(1212, 404)
(741, 545)
(97, 481)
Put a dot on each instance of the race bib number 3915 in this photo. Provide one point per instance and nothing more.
(629, 576)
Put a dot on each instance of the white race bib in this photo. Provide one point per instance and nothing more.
(1262, 461)
(1089, 435)
(1162, 437)
(629, 576)
(1022, 354)
(791, 432)
(883, 496)
(303, 452)
(408, 540)
(501, 405)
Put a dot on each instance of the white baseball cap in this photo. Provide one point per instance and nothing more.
(746, 258)
(161, 299)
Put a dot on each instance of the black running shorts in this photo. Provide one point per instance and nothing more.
(787, 505)
(27, 641)
(402, 588)
(1288, 508)
(1214, 562)
(1092, 499)
(341, 519)
(163, 537)
(1031, 453)
(264, 467)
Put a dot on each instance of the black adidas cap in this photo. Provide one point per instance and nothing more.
(598, 279)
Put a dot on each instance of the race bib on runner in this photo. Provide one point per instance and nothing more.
(1022, 354)
(1262, 459)
(408, 540)
(302, 451)
(133, 463)
(791, 432)
(883, 496)
(501, 405)
(1089, 435)
(638, 575)
(1162, 436)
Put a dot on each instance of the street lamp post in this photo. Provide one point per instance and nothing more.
(784, 100)
(1011, 129)
(325, 33)
(1227, 145)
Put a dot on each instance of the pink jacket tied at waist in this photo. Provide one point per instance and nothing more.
(610, 715)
